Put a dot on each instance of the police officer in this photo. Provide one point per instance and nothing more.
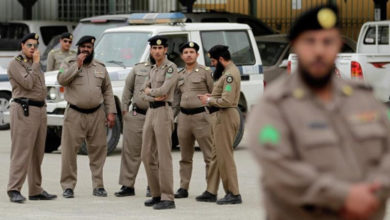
(224, 100)
(56, 56)
(28, 122)
(158, 127)
(89, 95)
(132, 126)
(322, 141)
(193, 120)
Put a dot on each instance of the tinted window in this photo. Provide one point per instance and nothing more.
(258, 28)
(270, 52)
(10, 35)
(383, 35)
(48, 32)
(370, 36)
(238, 42)
(174, 41)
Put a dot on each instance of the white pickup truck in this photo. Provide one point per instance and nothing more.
(121, 48)
(370, 63)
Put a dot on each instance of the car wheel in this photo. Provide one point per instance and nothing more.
(240, 132)
(113, 135)
(4, 107)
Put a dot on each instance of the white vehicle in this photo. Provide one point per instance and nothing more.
(370, 62)
(121, 48)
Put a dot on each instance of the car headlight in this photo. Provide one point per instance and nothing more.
(52, 93)
(55, 93)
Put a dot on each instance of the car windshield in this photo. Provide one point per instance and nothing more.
(93, 29)
(270, 52)
(122, 49)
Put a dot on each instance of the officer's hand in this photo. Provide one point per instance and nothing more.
(80, 59)
(203, 99)
(160, 98)
(36, 56)
(111, 120)
(361, 202)
(147, 90)
(124, 113)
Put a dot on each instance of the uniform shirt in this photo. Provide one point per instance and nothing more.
(88, 86)
(311, 152)
(134, 84)
(56, 56)
(191, 84)
(26, 78)
(226, 92)
(162, 81)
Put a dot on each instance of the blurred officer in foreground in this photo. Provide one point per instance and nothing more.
(28, 122)
(223, 100)
(88, 92)
(56, 56)
(194, 123)
(158, 127)
(322, 142)
(133, 122)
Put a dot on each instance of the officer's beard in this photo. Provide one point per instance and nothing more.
(218, 71)
(87, 59)
(315, 82)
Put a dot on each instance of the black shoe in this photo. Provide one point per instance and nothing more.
(206, 197)
(148, 194)
(181, 193)
(125, 191)
(230, 199)
(152, 201)
(68, 193)
(165, 204)
(43, 196)
(101, 192)
(15, 196)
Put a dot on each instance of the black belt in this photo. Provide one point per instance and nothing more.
(158, 104)
(139, 111)
(29, 102)
(85, 111)
(213, 109)
(192, 111)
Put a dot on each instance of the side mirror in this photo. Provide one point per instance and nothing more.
(284, 64)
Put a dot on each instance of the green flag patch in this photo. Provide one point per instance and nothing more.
(228, 88)
(269, 135)
(61, 70)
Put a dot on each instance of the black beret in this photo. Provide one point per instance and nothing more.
(216, 51)
(26, 37)
(158, 40)
(67, 35)
(318, 18)
(86, 39)
(189, 44)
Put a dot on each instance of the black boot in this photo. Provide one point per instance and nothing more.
(181, 193)
(164, 204)
(68, 193)
(230, 199)
(206, 197)
(43, 196)
(125, 191)
(101, 192)
(152, 201)
(15, 196)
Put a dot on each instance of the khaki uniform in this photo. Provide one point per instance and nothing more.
(311, 152)
(192, 126)
(86, 88)
(133, 123)
(158, 127)
(225, 95)
(56, 56)
(28, 133)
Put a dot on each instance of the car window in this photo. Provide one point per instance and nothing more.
(370, 36)
(174, 42)
(258, 28)
(238, 41)
(270, 52)
(48, 32)
(383, 32)
(10, 35)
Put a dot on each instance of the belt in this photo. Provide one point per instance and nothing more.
(140, 111)
(192, 111)
(158, 104)
(213, 109)
(85, 111)
(29, 102)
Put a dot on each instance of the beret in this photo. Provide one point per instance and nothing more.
(86, 39)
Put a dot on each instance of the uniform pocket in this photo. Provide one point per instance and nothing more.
(99, 77)
(140, 79)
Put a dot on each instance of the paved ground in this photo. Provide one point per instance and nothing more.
(86, 206)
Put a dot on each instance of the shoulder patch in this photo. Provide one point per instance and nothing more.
(229, 79)
(170, 70)
(269, 135)
(19, 58)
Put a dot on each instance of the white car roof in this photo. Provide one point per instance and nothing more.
(156, 28)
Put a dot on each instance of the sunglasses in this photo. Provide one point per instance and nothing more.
(32, 45)
(67, 41)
